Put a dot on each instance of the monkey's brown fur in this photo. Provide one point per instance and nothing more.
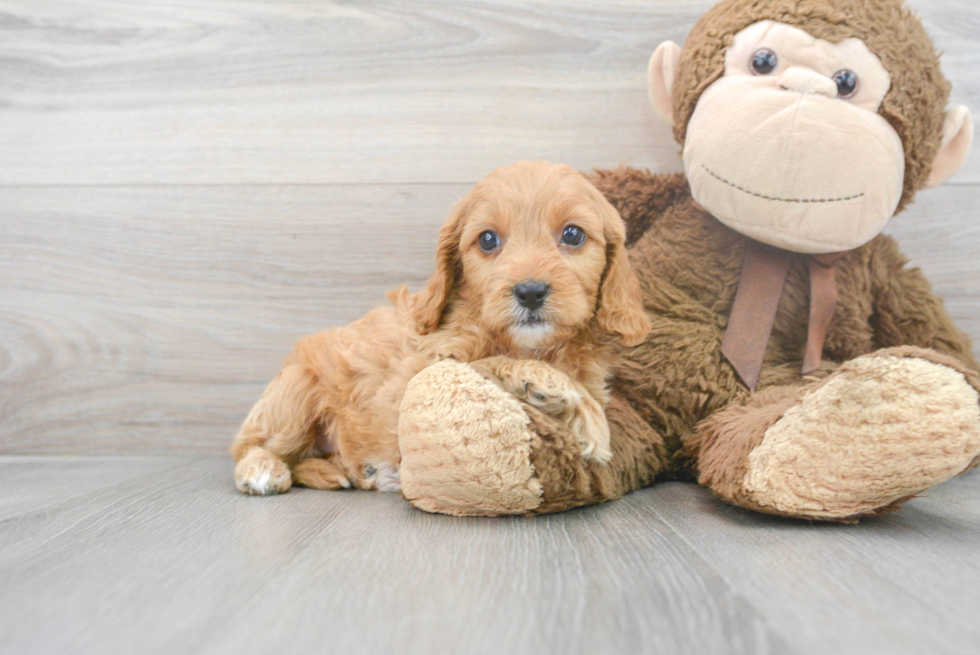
(678, 407)
(689, 266)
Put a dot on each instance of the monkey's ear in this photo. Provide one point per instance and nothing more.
(660, 79)
(957, 139)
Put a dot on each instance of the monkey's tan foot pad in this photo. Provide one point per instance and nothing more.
(881, 429)
(465, 445)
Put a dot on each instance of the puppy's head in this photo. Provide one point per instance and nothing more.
(533, 254)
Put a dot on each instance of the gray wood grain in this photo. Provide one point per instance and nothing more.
(905, 582)
(149, 319)
(30, 487)
(175, 560)
(940, 233)
(184, 92)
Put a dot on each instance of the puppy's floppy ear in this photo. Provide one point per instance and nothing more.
(430, 302)
(620, 308)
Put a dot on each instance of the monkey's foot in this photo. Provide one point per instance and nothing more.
(465, 445)
(471, 448)
(878, 431)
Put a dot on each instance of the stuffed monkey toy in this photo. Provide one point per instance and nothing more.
(796, 365)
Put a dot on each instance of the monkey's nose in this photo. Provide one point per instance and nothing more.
(531, 294)
(802, 80)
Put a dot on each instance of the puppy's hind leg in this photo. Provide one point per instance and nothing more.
(279, 429)
(320, 473)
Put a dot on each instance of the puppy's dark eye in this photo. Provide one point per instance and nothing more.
(847, 83)
(489, 241)
(764, 61)
(573, 235)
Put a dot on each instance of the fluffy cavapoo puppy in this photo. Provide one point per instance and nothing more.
(531, 277)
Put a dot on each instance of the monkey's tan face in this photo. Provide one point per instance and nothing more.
(787, 146)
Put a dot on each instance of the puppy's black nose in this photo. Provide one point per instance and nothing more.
(531, 294)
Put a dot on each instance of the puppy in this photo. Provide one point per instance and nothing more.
(531, 277)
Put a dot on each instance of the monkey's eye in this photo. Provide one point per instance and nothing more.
(847, 83)
(764, 61)
(489, 241)
(573, 235)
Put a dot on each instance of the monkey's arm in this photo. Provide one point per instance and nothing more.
(678, 376)
(906, 311)
(640, 197)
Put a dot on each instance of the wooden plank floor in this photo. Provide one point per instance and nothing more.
(162, 555)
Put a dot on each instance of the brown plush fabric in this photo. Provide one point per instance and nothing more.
(723, 442)
(689, 263)
(916, 104)
(689, 266)
(880, 429)
(639, 455)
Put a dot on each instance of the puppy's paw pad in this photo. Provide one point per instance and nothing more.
(262, 485)
(551, 395)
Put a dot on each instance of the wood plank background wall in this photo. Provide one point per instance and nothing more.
(188, 186)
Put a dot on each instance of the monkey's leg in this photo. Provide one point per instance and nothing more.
(471, 448)
(879, 430)
(554, 393)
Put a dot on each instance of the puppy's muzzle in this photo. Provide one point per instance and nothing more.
(531, 294)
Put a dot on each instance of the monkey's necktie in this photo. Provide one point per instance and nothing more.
(764, 271)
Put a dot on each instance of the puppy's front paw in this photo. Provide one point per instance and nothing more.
(547, 388)
(554, 393)
(589, 424)
(260, 473)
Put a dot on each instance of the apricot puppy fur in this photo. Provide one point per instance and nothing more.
(531, 277)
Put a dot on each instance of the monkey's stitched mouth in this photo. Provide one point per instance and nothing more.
(773, 198)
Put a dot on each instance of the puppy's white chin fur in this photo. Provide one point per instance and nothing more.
(531, 335)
